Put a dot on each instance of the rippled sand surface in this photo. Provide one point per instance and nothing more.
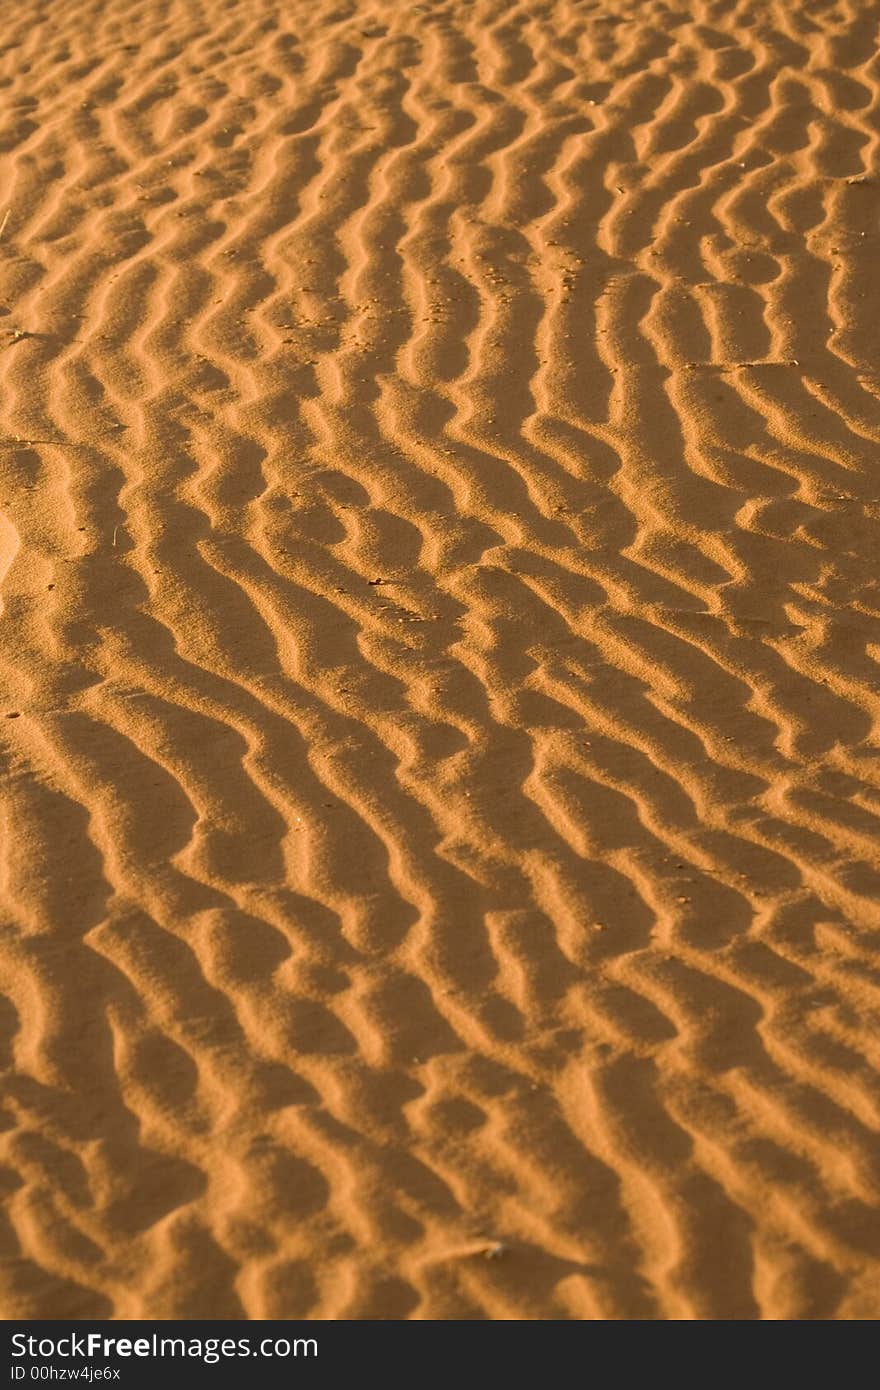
(440, 527)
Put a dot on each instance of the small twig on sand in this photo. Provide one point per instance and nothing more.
(5, 220)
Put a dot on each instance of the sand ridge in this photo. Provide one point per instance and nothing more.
(439, 650)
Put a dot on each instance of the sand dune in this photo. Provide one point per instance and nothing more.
(441, 515)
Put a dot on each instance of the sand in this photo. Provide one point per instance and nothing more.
(441, 515)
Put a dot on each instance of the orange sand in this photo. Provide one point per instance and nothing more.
(499, 940)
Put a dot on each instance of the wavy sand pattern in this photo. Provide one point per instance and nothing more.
(441, 508)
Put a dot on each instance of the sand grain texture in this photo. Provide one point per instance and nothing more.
(500, 939)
